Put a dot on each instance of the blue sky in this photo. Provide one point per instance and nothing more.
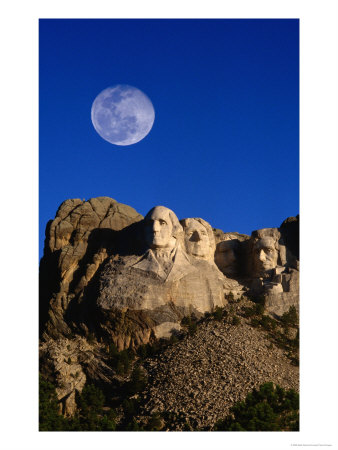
(225, 141)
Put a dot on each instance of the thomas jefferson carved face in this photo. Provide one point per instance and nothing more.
(198, 241)
(265, 255)
(159, 228)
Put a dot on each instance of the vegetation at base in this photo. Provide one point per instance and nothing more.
(155, 423)
(219, 313)
(120, 361)
(278, 329)
(236, 320)
(270, 408)
(190, 323)
(157, 346)
(261, 410)
(290, 318)
(137, 382)
(230, 297)
(90, 415)
(49, 414)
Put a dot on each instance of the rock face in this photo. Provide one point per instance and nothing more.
(154, 291)
(66, 363)
(274, 270)
(82, 235)
(108, 275)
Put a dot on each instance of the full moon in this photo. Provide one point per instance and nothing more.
(122, 114)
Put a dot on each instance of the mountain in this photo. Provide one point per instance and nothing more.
(173, 316)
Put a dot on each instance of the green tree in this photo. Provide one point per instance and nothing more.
(218, 313)
(132, 425)
(290, 318)
(50, 418)
(137, 381)
(270, 408)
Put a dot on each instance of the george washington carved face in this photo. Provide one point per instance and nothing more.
(161, 227)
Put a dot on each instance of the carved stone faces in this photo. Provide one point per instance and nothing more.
(198, 238)
(160, 226)
(265, 255)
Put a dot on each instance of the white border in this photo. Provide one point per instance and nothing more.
(19, 225)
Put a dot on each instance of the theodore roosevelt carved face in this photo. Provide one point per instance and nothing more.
(226, 256)
(161, 228)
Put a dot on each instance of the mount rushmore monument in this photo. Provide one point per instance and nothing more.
(107, 270)
(109, 273)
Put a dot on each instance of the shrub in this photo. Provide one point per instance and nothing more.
(192, 328)
(155, 423)
(230, 297)
(137, 382)
(120, 361)
(91, 399)
(236, 320)
(259, 309)
(133, 426)
(113, 352)
(290, 318)
(268, 323)
(173, 339)
(270, 408)
(218, 313)
(142, 351)
(191, 323)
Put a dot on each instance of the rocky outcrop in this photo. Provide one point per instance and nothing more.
(274, 268)
(70, 363)
(82, 235)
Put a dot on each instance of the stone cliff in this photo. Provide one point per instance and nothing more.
(110, 276)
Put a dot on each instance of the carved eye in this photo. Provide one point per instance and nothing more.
(163, 222)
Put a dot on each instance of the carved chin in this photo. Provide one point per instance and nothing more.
(261, 268)
(159, 243)
(199, 255)
(198, 252)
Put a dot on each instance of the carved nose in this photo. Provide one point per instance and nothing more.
(262, 255)
(156, 226)
(195, 236)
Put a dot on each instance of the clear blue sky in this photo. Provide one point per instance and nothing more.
(225, 141)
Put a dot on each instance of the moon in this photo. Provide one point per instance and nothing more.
(122, 114)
